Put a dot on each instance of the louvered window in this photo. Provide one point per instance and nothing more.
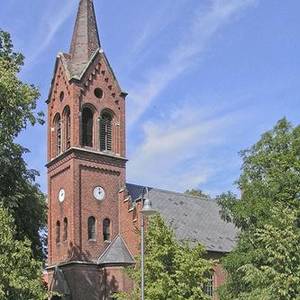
(67, 124)
(58, 134)
(106, 132)
(91, 228)
(87, 127)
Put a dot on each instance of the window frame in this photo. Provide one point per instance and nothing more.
(92, 234)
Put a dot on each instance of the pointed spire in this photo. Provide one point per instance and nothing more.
(85, 40)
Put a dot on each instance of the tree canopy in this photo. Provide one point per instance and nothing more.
(197, 193)
(18, 191)
(265, 263)
(20, 273)
(172, 270)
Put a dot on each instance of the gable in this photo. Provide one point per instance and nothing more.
(116, 253)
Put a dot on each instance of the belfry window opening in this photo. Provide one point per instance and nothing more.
(57, 123)
(106, 132)
(87, 127)
(67, 129)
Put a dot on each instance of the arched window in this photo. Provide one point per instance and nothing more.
(65, 236)
(57, 124)
(67, 127)
(57, 232)
(87, 127)
(106, 229)
(106, 132)
(91, 228)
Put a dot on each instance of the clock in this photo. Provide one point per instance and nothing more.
(99, 193)
(61, 195)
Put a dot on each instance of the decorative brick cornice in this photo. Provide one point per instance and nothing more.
(88, 155)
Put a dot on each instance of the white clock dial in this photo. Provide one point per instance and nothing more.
(99, 193)
(61, 195)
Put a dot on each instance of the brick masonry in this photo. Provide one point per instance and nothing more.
(78, 170)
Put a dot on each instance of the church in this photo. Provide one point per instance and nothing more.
(94, 215)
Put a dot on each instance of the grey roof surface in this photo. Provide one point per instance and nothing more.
(192, 218)
(85, 40)
(59, 283)
(116, 253)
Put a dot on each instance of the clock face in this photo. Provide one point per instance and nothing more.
(99, 193)
(61, 195)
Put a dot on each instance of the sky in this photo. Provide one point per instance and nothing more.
(205, 79)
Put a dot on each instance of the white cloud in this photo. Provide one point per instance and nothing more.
(174, 152)
(51, 24)
(203, 27)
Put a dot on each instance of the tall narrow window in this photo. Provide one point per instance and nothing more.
(91, 228)
(57, 124)
(65, 236)
(57, 232)
(87, 127)
(106, 132)
(67, 127)
(106, 230)
(209, 286)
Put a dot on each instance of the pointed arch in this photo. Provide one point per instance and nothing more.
(87, 126)
(67, 127)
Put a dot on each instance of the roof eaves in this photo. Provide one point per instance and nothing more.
(60, 56)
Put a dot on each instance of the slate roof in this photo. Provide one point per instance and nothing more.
(85, 40)
(59, 283)
(116, 253)
(192, 218)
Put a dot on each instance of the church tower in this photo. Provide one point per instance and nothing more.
(86, 163)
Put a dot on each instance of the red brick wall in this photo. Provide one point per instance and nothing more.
(78, 172)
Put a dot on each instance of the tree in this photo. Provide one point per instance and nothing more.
(264, 264)
(197, 193)
(20, 273)
(275, 274)
(18, 191)
(173, 270)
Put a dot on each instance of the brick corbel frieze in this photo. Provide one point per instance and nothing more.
(87, 155)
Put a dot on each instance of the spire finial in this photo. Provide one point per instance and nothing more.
(85, 40)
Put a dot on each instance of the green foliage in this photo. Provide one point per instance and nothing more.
(20, 273)
(172, 270)
(265, 264)
(197, 193)
(18, 191)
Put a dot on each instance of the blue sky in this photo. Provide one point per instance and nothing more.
(205, 78)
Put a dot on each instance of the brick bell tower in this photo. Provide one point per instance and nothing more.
(86, 168)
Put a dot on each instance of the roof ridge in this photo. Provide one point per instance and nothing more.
(174, 193)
